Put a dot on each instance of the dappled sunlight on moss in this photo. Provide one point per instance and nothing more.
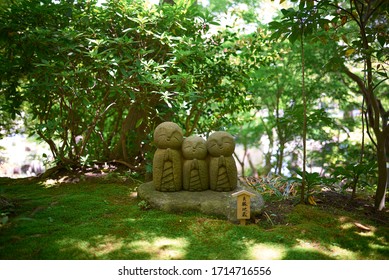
(332, 251)
(346, 226)
(98, 246)
(378, 247)
(342, 254)
(103, 247)
(347, 223)
(303, 249)
(49, 183)
(265, 251)
(305, 244)
(383, 241)
(161, 248)
(104, 221)
(366, 233)
(343, 219)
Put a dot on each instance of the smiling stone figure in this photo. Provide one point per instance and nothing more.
(195, 169)
(167, 162)
(222, 167)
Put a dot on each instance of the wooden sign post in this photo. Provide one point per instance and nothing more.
(243, 205)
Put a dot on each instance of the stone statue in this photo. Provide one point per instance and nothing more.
(223, 175)
(167, 162)
(195, 168)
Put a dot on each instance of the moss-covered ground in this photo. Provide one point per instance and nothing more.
(106, 220)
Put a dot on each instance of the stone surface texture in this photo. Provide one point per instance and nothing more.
(167, 162)
(223, 175)
(220, 204)
(195, 168)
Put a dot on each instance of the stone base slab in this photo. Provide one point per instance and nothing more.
(208, 202)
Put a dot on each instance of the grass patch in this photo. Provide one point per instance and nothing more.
(107, 221)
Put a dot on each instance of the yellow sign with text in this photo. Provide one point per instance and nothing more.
(243, 205)
(243, 209)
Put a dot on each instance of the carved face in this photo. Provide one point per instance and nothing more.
(168, 135)
(194, 147)
(220, 143)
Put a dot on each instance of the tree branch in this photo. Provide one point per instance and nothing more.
(368, 129)
(372, 11)
(363, 89)
(380, 83)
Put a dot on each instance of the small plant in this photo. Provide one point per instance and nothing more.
(144, 205)
(353, 175)
(277, 186)
(314, 183)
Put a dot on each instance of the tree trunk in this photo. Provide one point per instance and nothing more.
(241, 162)
(380, 196)
(254, 171)
(304, 96)
(374, 113)
(268, 166)
(382, 159)
(280, 157)
(280, 133)
(131, 124)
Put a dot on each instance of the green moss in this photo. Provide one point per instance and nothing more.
(104, 221)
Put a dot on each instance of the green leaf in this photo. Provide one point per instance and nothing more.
(294, 36)
(302, 5)
(138, 122)
(381, 39)
(288, 12)
(275, 25)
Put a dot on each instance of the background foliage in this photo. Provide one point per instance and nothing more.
(93, 81)
(97, 80)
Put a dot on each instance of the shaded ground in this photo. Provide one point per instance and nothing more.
(276, 211)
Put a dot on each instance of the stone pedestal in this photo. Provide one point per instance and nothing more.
(208, 202)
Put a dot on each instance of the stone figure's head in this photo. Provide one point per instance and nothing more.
(168, 135)
(221, 143)
(194, 147)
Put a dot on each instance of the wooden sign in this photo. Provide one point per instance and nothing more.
(243, 205)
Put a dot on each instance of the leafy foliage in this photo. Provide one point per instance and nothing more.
(356, 29)
(97, 80)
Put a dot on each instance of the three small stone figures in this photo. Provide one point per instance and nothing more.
(193, 164)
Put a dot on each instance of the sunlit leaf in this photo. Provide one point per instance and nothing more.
(349, 52)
